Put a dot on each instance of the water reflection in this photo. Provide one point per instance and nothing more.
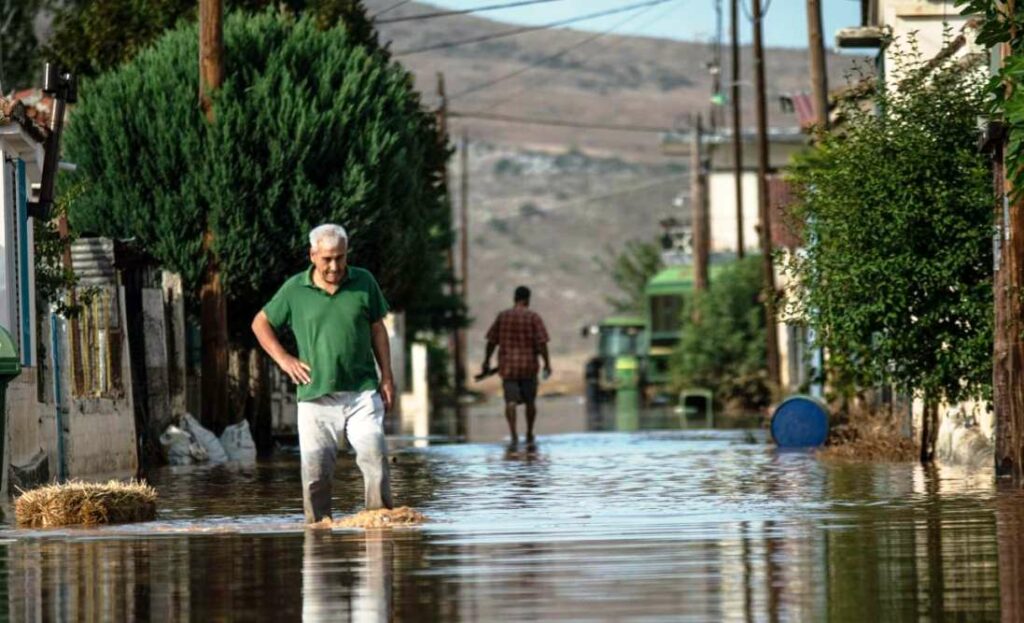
(1010, 530)
(663, 525)
(328, 590)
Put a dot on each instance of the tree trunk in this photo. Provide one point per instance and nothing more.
(929, 429)
(1008, 357)
(259, 402)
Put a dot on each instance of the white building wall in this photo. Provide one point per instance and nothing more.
(928, 21)
(8, 210)
(722, 195)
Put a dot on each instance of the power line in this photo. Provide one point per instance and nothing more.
(390, 8)
(502, 101)
(750, 16)
(491, 7)
(565, 123)
(674, 178)
(525, 29)
(546, 59)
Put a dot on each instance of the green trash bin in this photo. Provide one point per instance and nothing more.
(10, 367)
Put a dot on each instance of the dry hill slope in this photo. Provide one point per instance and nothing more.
(546, 202)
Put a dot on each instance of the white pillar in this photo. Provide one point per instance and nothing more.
(8, 209)
(416, 404)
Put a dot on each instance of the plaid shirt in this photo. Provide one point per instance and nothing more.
(519, 333)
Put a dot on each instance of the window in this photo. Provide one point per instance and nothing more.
(665, 311)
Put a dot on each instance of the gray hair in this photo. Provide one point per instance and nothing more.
(329, 233)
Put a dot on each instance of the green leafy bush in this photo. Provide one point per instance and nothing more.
(310, 127)
(722, 342)
(897, 204)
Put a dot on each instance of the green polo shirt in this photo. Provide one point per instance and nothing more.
(332, 331)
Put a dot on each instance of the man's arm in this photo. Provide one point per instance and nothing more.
(382, 352)
(547, 360)
(542, 343)
(297, 370)
(487, 357)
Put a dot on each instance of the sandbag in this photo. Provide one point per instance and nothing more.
(214, 450)
(180, 447)
(238, 443)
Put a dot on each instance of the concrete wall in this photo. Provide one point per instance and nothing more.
(101, 439)
(722, 208)
(928, 20)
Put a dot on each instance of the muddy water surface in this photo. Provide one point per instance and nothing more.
(655, 525)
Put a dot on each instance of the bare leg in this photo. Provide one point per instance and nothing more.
(531, 417)
(510, 415)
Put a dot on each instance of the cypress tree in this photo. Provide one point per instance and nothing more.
(312, 126)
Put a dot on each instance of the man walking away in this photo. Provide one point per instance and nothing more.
(336, 312)
(520, 337)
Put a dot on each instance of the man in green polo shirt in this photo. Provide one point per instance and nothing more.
(336, 312)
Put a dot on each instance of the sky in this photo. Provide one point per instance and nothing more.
(691, 20)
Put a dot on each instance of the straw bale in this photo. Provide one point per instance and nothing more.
(381, 518)
(84, 503)
(868, 437)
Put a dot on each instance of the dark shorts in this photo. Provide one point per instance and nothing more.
(520, 391)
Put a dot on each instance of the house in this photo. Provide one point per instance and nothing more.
(68, 413)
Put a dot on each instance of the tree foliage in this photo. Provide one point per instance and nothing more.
(93, 36)
(310, 127)
(20, 64)
(722, 341)
(630, 270)
(1001, 25)
(896, 279)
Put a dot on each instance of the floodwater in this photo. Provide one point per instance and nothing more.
(649, 525)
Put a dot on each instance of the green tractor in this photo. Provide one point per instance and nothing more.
(633, 352)
(621, 342)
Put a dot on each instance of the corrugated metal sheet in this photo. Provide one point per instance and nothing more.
(93, 261)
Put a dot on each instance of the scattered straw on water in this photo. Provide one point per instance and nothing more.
(86, 503)
(382, 518)
(869, 438)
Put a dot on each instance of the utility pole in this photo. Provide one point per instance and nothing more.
(716, 72)
(213, 304)
(699, 208)
(819, 77)
(454, 341)
(463, 248)
(737, 125)
(1008, 349)
(771, 334)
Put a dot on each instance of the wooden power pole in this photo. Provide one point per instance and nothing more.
(737, 125)
(213, 304)
(1008, 348)
(699, 208)
(819, 77)
(464, 214)
(454, 339)
(463, 248)
(771, 333)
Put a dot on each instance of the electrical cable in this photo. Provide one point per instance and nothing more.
(750, 16)
(565, 123)
(517, 94)
(551, 57)
(390, 8)
(492, 7)
(525, 29)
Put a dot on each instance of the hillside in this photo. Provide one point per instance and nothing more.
(547, 202)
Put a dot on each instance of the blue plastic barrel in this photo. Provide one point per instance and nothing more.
(800, 422)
